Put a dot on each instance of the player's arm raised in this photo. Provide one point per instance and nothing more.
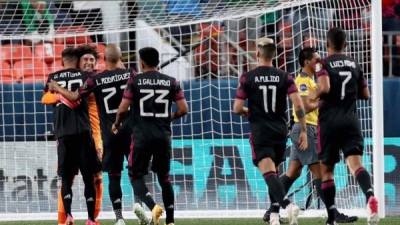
(323, 80)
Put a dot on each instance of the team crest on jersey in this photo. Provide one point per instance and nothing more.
(303, 87)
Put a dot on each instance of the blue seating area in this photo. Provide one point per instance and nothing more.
(24, 118)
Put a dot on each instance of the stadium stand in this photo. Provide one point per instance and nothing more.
(48, 51)
(29, 71)
(6, 73)
(15, 52)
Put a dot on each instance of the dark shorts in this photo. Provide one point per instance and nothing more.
(142, 151)
(309, 156)
(77, 153)
(275, 151)
(336, 136)
(116, 148)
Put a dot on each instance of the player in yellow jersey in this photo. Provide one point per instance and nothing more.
(298, 158)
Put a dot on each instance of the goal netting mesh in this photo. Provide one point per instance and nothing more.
(206, 45)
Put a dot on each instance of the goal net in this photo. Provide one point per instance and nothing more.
(207, 45)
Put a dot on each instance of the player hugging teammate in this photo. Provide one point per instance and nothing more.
(326, 123)
(108, 89)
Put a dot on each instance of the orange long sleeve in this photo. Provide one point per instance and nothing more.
(95, 123)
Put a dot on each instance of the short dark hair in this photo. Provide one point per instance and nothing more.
(69, 54)
(306, 54)
(336, 38)
(267, 51)
(149, 56)
(87, 49)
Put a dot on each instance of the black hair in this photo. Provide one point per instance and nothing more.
(87, 49)
(306, 54)
(149, 56)
(336, 38)
(69, 54)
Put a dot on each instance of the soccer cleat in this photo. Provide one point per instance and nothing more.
(274, 219)
(372, 209)
(156, 214)
(70, 220)
(267, 215)
(293, 212)
(90, 222)
(141, 215)
(342, 218)
(332, 223)
(120, 222)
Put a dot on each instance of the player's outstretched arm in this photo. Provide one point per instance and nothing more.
(121, 113)
(182, 109)
(239, 108)
(71, 96)
(300, 113)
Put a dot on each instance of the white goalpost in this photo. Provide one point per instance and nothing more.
(206, 45)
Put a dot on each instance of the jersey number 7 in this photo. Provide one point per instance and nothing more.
(347, 75)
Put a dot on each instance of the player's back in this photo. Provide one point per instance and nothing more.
(109, 88)
(69, 121)
(267, 90)
(153, 94)
(346, 79)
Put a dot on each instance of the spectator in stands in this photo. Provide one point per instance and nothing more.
(391, 15)
(41, 18)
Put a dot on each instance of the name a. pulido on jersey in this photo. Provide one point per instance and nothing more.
(112, 79)
(264, 79)
(342, 63)
(67, 74)
(154, 82)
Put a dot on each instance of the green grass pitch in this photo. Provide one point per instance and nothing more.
(315, 221)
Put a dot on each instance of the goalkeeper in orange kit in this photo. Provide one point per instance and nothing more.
(88, 57)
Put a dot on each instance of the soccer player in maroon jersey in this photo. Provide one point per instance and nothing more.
(150, 95)
(340, 84)
(266, 89)
(75, 146)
